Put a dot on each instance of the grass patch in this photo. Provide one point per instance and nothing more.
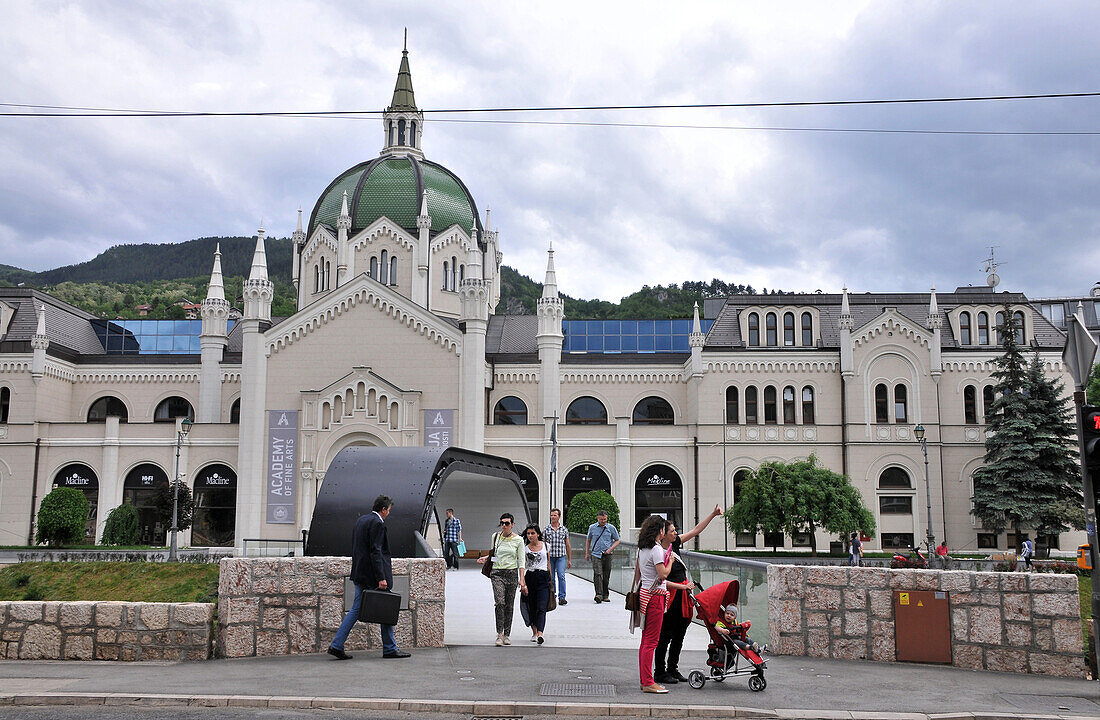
(123, 581)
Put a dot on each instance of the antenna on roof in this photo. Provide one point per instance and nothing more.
(992, 278)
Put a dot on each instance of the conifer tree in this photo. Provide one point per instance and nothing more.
(1057, 493)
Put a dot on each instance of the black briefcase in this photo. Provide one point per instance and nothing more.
(379, 606)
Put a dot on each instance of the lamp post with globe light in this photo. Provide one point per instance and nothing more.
(918, 431)
(185, 427)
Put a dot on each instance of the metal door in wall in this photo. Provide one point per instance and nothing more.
(922, 626)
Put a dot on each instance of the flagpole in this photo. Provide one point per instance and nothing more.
(554, 464)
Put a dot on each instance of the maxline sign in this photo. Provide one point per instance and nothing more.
(282, 465)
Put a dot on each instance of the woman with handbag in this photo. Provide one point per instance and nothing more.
(679, 611)
(506, 573)
(649, 577)
(536, 593)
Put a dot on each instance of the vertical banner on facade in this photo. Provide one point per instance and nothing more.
(282, 465)
(439, 428)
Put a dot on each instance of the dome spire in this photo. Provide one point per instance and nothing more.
(402, 121)
(403, 99)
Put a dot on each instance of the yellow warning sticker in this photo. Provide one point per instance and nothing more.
(920, 604)
(903, 598)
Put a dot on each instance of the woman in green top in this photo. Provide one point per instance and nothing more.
(506, 576)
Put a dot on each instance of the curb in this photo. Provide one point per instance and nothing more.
(491, 708)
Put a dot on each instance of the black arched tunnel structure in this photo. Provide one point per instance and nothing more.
(422, 482)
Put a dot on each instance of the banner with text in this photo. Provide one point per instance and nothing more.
(439, 428)
(282, 465)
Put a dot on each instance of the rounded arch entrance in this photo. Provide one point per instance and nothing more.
(530, 483)
(140, 488)
(214, 521)
(422, 483)
(583, 478)
(81, 477)
(659, 491)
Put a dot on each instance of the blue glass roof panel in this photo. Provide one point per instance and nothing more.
(629, 336)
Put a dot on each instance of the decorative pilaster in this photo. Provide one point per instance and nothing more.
(212, 343)
(475, 321)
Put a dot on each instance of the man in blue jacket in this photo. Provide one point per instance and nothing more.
(370, 569)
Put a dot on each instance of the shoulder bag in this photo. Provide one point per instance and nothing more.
(487, 568)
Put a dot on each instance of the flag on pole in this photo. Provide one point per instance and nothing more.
(554, 447)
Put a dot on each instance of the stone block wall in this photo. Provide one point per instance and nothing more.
(291, 606)
(1010, 622)
(100, 630)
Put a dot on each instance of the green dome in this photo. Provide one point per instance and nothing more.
(392, 186)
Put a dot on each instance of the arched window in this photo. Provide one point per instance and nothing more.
(446, 274)
(1021, 337)
(140, 488)
(171, 408)
(530, 483)
(788, 329)
(5, 403)
(316, 278)
(586, 411)
(901, 404)
(79, 476)
(392, 133)
(754, 329)
(658, 490)
(970, 405)
(770, 410)
(235, 412)
(454, 272)
(964, 328)
(894, 478)
(739, 478)
(653, 411)
(328, 275)
(583, 478)
(882, 404)
(215, 517)
(412, 133)
(769, 323)
(751, 415)
(105, 407)
(374, 267)
(384, 268)
(393, 270)
(987, 402)
(788, 405)
(401, 131)
(808, 405)
(510, 411)
(999, 321)
(983, 328)
(807, 330)
(462, 272)
(731, 405)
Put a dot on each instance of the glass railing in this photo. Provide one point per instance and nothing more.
(705, 570)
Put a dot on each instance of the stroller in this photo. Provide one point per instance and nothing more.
(724, 658)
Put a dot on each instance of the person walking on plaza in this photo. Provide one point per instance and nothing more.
(452, 536)
(1027, 551)
(506, 576)
(678, 614)
(602, 540)
(371, 569)
(649, 576)
(536, 577)
(559, 553)
(855, 549)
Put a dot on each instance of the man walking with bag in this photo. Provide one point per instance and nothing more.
(602, 540)
(371, 569)
(452, 536)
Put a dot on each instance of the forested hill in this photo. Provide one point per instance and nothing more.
(114, 282)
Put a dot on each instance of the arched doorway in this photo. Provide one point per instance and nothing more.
(214, 521)
(530, 490)
(81, 477)
(659, 491)
(140, 489)
(583, 478)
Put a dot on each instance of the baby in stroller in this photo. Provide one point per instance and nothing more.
(735, 633)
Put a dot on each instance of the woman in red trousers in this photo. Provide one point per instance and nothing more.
(649, 575)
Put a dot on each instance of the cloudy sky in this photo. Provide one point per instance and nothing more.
(624, 206)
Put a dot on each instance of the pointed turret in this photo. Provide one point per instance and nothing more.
(402, 121)
(403, 98)
(212, 343)
(216, 289)
(550, 309)
(39, 342)
(550, 283)
(934, 323)
(473, 258)
(934, 320)
(420, 287)
(846, 323)
(258, 289)
(259, 258)
(696, 340)
(297, 242)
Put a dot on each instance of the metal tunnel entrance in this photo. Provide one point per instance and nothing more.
(422, 482)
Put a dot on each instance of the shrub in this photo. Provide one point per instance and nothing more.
(122, 526)
(186, 505)
(62, 517)
(584, 506)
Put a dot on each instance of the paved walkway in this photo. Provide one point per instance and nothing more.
(507, 681)
(581, 623)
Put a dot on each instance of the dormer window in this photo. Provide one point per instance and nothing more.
(754, 330)
(983, 328)
(807, 330)
(770, 329)
(788, 329)
(964, 328)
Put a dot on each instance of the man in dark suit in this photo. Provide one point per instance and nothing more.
(370, 569)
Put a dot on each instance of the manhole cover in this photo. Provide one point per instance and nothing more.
(577, 690)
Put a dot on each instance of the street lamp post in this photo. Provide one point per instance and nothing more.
(185, 427)
(918, 431)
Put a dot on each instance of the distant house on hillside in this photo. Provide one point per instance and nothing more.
(191, 309)
(143, 310)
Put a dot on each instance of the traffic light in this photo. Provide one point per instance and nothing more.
(1091, 419)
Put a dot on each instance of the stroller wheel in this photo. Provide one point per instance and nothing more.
(757, 683)
(697, 679)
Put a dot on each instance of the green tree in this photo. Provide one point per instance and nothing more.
(584, 506)
(1092, 387)
(62, 517)
(184, 510)
(799, 497)
(122, 526)
(1028, 476)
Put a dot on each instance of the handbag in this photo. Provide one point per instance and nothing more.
(552, 603)
(379, 606)
(633, 602)
(487, 567)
